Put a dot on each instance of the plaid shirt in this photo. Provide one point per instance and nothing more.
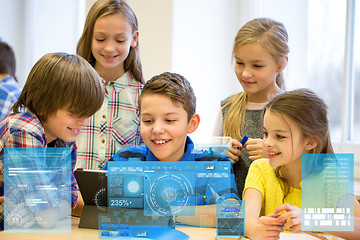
(25, 130)
(9, 93)
(114, 127)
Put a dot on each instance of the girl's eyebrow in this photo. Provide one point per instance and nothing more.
(116, 34)
(281, 131)
(277, 130)
(253, 61)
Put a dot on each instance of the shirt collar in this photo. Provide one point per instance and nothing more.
(188, 156)
(126, 80)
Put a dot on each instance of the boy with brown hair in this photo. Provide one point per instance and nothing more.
(61, 93)
(167, 107)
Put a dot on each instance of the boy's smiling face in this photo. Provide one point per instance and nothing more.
(164, 126)
(64, 125)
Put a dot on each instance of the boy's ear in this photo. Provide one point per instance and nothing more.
(312, 142)
(282, 64)
(135, 39)
(194, 123)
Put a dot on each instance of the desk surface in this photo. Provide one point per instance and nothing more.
(90, 234)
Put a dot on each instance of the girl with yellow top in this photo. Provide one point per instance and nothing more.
(294, 122)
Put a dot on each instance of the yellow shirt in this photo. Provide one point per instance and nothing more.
(262, 177)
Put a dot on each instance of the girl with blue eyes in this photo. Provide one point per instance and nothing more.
(260, 53)
(110, 43)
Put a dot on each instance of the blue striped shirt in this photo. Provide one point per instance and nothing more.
(9, 93)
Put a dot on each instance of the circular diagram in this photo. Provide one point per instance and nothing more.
(167, 193)
(100, 198)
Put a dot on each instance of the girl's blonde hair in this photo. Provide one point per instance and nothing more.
(102, 8)
(272, 36)
(61, 81)
(309, 112)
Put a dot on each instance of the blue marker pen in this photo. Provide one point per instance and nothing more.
(244, 139)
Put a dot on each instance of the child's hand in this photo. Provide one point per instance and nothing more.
(48, 218)
(268, 227)
(291, 218)
(235, 150)
(256, 148)
(20, 216)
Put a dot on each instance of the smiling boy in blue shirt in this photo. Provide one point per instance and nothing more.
(167, 107)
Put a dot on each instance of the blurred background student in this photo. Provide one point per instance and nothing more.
(9, 87)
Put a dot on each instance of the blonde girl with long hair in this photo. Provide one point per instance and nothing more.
(261, 53)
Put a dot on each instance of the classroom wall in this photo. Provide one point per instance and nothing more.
(36, 27)
(192, 38)
(12, 32)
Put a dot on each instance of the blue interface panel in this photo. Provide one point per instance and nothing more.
(144, 197)
(327, 192)
(37, 185)
(230, 219)
(167, 188)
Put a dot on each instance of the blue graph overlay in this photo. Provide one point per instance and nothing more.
(327, 192)
(230, 219)
(37, 189)
(148, 195)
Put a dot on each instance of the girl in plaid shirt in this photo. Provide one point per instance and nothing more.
(110, 44)
(60, 94)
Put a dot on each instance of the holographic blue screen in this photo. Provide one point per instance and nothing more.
(230, 218)
(327, 192)
(145, 196)
(166, 188)
(37, 184)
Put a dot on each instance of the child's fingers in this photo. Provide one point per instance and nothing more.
(283, 207)
(291, 218)
(296, 228)
(255, 155)
(14, 212)
(235, 144)
(28, 221)
(274, 215)
(234, 158)
(269, 220)
(235, 151)
(20, 216)
(256, 149)
(254, 143)
(289, 215)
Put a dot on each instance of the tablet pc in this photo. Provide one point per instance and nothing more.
(93, 186)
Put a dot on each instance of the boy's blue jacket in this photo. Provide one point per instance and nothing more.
(143, 153)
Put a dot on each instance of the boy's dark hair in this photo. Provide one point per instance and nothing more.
(174, 86)
(7, 59)
(61, 81)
